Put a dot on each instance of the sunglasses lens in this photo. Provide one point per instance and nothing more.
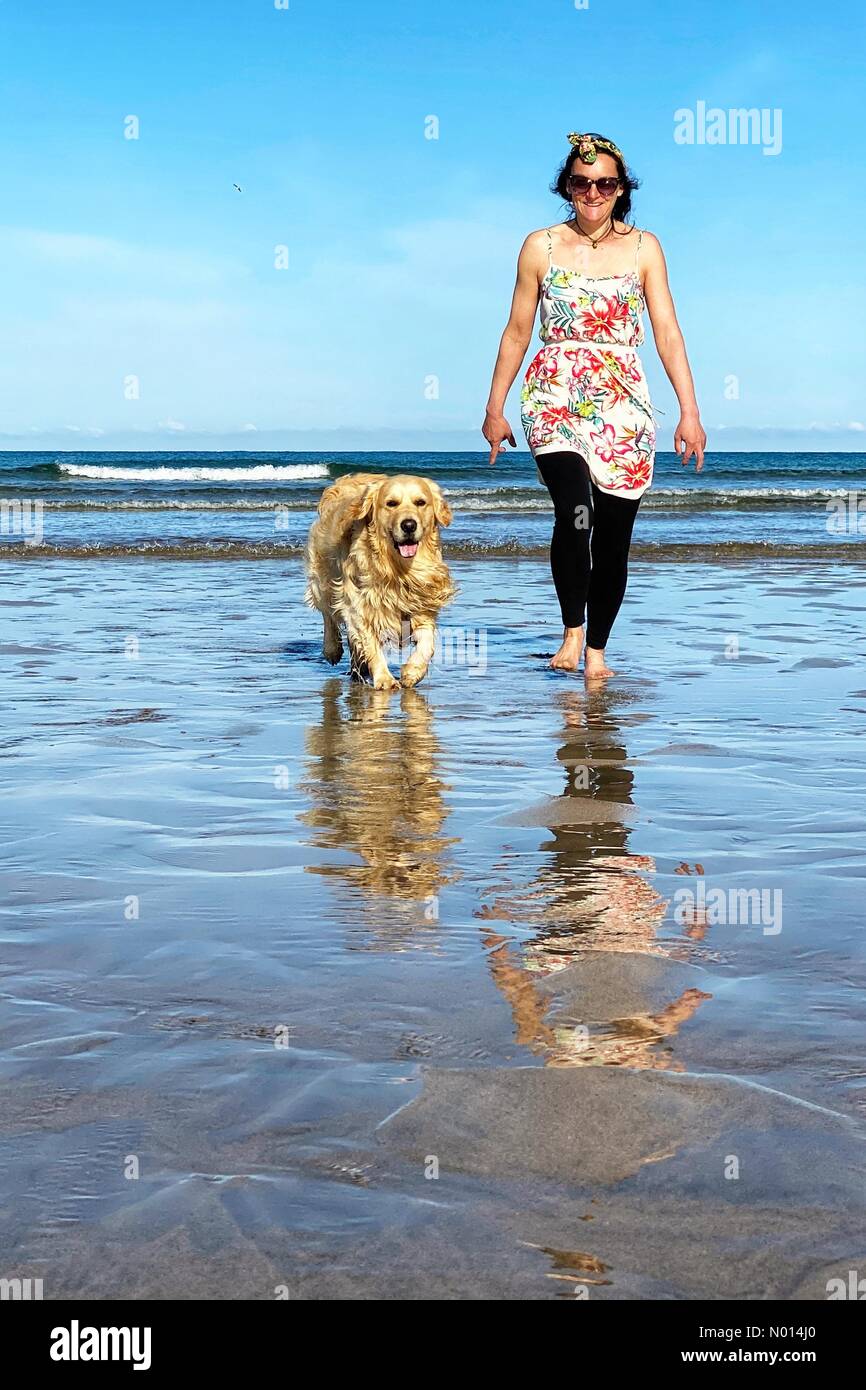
(579, 183)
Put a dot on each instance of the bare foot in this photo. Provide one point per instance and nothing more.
(568, 656)
(594, 664)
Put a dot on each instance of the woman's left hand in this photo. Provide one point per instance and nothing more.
(690, 438)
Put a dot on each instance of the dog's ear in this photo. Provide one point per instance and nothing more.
(441, 509)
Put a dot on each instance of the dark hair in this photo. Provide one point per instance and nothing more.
(622, 206)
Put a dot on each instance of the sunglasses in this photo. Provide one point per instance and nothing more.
(579, 183)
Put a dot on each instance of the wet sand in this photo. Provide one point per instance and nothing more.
(500, 988)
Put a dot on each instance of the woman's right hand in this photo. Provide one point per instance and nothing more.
(496, 430)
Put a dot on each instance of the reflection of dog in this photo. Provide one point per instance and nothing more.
(374, 788)
(373, 560)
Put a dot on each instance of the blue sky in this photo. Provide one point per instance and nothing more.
(137, 258)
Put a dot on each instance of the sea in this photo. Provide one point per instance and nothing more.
(199, 505)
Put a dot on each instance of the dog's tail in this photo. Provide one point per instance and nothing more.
(312, 588)
(346, 493)
(313, 596)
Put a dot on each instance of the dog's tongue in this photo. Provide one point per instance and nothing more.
(408, 549)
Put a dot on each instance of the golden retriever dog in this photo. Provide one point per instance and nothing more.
(374, 566)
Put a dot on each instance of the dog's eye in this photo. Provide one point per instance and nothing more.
(420, 501)
(392, 502)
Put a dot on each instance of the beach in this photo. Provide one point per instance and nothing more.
(500, 988)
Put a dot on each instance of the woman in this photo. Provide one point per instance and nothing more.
(585, 406)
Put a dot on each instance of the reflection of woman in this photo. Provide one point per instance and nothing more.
(593, 896)
(586, 409)
(592, 893)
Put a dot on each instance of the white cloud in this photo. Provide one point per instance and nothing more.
(71, 251)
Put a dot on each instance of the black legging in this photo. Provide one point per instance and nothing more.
(589, 548)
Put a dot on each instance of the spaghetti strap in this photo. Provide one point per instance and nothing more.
(637, 249)
(549, 250)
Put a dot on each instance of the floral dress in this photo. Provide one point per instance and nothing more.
(585, 390)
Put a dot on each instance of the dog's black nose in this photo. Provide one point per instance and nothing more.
(409, 526)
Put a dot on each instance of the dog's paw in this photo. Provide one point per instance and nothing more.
(386, 682)
(411, 674)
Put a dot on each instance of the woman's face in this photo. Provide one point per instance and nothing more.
(594, 206)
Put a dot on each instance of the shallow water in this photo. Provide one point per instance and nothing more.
(288, 945)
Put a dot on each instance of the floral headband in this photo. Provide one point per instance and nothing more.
(588, 146)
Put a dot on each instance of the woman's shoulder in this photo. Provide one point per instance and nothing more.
(533, 252)
(648, 240)
(540, 235)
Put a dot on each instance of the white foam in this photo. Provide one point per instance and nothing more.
(735, 493)
(195, 473)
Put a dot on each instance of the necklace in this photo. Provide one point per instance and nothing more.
(595, 240)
